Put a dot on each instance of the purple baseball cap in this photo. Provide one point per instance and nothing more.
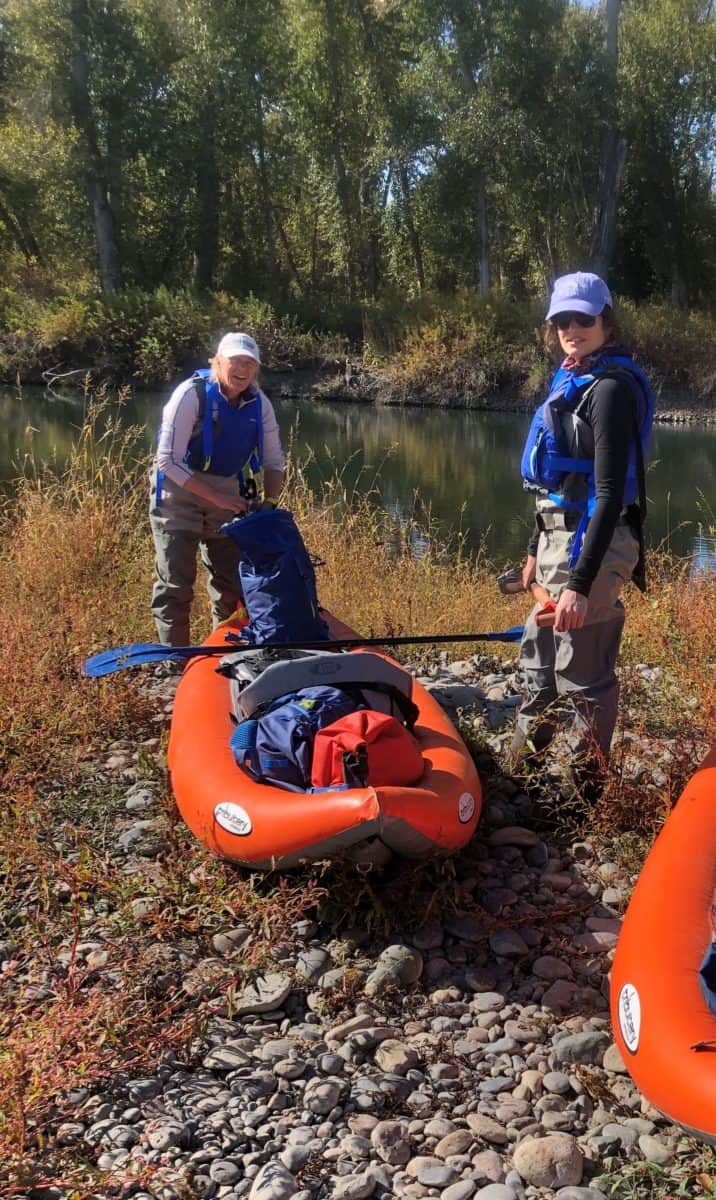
(580, 292)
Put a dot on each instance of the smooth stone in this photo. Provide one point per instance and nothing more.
(313, 963)
(464, 1189)
(550, 968)
(488, 1165)
(549, 1162)
(396, 1057)
(513, 835)
(397, 966)
(598, 942)
(613, 1061)
(585, 1048)
(353, 1187)
(226, 1058)
(229, 940)
(273, 1182)
(507, 943)
(559, 998)
(457, 1142)
(487, 1129)
(391, 1141)
(224, 1172)
(496, 1191)
(266, 993)
(487, 1001)
(322, 1095)
(654, 1150)
(578, 1193)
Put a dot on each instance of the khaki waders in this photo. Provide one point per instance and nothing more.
(577, 667)
(182, 525)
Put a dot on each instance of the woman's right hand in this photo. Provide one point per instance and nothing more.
(529, 571)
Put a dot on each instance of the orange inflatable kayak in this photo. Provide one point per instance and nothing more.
(262, 826)
(662, 1025)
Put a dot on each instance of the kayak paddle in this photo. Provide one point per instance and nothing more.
(119, 659)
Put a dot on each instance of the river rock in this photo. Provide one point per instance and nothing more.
(391, 1141)
(396, 1057)
(549, 1162)
(266, 993)
(398, 966)
(273, 1182)
(587, 1048)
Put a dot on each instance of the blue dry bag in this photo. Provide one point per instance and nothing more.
(277, 579)
(278, 747)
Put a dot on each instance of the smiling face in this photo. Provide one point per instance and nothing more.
(234, 374)
(577, 341)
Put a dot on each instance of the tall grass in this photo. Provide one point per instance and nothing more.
(75, 575)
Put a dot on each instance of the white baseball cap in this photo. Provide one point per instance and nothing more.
(233, 344)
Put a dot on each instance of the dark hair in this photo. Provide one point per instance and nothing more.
(551, 335)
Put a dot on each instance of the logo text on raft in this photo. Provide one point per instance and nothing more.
(233, 818)
(629, 1009)
(466, 807)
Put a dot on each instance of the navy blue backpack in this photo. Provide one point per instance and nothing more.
(277, 579)
(277, 748)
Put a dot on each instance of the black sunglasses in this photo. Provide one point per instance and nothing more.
(564, 320)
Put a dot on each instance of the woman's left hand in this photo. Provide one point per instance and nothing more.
(571, 611)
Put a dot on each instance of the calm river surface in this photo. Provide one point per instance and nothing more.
(462, 466)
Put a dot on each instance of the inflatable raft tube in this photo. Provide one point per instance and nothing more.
(662, 1025)
(260, 826)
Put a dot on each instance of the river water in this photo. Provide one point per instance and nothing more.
(461, 467)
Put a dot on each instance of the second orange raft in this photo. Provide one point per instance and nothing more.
(662, 1024)
(261, 826)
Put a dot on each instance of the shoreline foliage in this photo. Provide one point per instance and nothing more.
(458, 349)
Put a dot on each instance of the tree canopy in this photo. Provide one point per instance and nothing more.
(338, 151)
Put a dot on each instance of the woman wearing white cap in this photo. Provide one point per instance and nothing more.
(585, 458)
(215, 426)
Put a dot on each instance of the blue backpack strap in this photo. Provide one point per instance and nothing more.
(207, 421)
(257, 458)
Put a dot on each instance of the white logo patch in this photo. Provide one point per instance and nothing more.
(629, 1009)
(233, 818)
(466, 807)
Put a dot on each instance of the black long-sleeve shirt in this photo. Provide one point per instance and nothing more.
(609, 409)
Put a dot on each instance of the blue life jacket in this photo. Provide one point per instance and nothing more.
(551, 464)
(230, 437)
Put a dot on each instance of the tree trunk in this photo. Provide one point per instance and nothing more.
(343, 185)
(413, 236)
(613, 157)
(483, 233)
(266, 203)
(206, 247)
(482, 228)
(23, 235)
(101, 213)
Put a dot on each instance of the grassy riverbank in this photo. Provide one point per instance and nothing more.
(75, 577)
(457, 350)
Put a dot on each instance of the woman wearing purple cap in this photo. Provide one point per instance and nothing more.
(585, 459)
(216, 427)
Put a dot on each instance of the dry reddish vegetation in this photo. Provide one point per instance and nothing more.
(74, 577)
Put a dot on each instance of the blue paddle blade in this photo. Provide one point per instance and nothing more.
(514, 634)
(109, 661)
